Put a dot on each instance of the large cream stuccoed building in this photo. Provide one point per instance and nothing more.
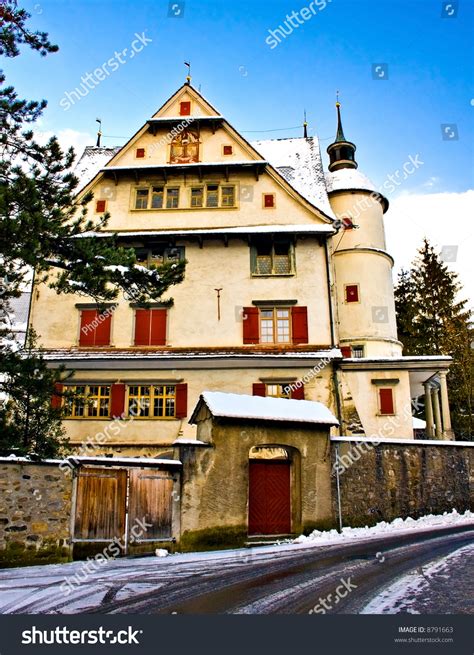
(288, 281)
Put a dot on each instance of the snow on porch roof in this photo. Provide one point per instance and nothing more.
(232, 405)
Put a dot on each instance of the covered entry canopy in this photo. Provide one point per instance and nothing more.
(240, 406)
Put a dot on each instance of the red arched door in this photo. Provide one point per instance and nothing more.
(269, 497)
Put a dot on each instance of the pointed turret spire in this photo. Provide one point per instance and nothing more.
(341, 152)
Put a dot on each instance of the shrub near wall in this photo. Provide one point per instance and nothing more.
(391, 480)
(35, 511)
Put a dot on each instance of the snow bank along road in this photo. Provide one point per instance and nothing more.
(287, 579)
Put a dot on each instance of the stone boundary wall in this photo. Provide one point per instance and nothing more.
(35, 513)
(389, 480)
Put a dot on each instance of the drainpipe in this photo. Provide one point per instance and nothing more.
(338, 487)
(335, 379)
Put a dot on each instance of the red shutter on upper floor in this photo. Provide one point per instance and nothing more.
(250, 319)
(102, 331)
(259, 389)
(346, 351)
(352, 292)
(184, 108)
(298, 393)
(142, 327)
(386, 401)
(117, 400)
(299, 318)
(56, 398)
(95, 328)
(150, 327)
(100, 206)
(140, 153)
(181, 401)
(87, 333)
(158, 327)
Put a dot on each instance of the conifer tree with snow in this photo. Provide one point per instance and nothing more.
(42, 225)
(433, 319)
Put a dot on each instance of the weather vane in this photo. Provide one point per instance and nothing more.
(188, 76)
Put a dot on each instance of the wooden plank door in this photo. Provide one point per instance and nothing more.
(150, 500)
(269, 497)
(100, 505)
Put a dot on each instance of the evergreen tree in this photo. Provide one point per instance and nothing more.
(30, 424)
(433, 321)
(46, 231)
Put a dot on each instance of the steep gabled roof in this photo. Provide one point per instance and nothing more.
(295, 164)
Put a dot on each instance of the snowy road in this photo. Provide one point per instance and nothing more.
(355, 577)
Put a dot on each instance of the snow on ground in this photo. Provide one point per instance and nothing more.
(424, 522)
(438, 587)
(81, 586)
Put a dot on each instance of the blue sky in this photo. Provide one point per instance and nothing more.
(429, 57)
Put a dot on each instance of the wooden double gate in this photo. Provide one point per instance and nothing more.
(123, 505)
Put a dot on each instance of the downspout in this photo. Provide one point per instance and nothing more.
(335, 379)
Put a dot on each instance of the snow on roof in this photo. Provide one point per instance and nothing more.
(124, 461)
(418, 424)
(404, 442)
(232, 405)
(93, 159)
(315, 228)
(63, 354)
(348, 178)
(299, 161)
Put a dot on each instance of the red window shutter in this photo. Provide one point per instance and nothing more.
(251, 325)
(259, 389)
(158, 327)
(95, 331)
(100, 206)
(228, 150)
(268, 200)
(299, 319)
(346, 351)
(142, 327)
(87, 333)
(117, 400)
(184, 108)
(56, 399)
(102, 331)
(352, 293)
(181, 400)
(140, 153)
(298, 393)
(386, 401)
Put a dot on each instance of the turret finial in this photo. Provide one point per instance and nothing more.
(341, 152)
(305, 126)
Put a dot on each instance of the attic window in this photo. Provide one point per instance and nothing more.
(140, 153)
(184, 108)
(100, 206)
(268, 200)
(227, 150)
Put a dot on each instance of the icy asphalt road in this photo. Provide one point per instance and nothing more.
(362, 576)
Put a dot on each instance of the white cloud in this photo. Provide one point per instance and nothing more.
(67, 138)
(446, 219)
